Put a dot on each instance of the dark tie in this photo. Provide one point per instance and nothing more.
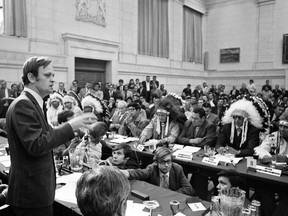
(164, 182)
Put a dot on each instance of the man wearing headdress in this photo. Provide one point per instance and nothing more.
(70, 104)
(54, 109)
(90, 103)
(274, 145)
(240, 131)
(163, 126)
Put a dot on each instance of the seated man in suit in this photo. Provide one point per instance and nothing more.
(163, 172)
(240, 132)
(197, 130)
(209, 115)
(134, 123)
(111, 201)
(119, 116)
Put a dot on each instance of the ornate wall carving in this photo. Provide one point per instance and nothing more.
(91, 11)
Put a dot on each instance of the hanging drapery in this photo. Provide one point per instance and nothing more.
(15, 19)
(153, 33)
(192, 36)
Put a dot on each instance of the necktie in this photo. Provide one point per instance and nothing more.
(239, 130)
(162, 130)
(196, 131)
(164, 182)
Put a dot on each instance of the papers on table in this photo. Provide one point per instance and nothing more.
(186, 152)
(124, 139)
(67, 192)
(5, 160)
(198, 206)
(228, 158)
(135, 209)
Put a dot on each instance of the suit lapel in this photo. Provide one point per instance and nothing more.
(40, 111)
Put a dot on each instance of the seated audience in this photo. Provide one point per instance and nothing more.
(197, 130)
(213, 118)
(119, 116)
(134, 123)
(275, 115)
(164, 126)
(240, 133)
(108, 202)
(163, 172)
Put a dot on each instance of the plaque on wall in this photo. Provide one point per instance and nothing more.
(230, 55)
(91, 11)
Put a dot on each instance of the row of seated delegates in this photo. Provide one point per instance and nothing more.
(276, 145)
(163, 172)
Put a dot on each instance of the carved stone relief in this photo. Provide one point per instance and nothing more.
(91, 11)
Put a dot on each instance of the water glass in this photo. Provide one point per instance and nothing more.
(273, 161)
(76, 159)
(232, 201)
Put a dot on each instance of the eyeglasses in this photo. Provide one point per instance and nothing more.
(164, 162)
(239, 117)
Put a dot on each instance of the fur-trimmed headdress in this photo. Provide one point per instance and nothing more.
(248, 111)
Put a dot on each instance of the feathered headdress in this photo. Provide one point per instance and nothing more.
(248, 111)
(98, 106)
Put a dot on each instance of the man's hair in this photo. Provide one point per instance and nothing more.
(135, 105)
(235, 179)
(64, 115)
(206, 105)
(161, 153)
(121, 81)
(122, 103)
(32, 65)
(200, 111)
(98, 129)
(127, 150)
(102, 191)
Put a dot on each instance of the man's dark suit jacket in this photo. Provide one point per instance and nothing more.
(247, 148)
(177, 180)
(207, 130)
(32, 180)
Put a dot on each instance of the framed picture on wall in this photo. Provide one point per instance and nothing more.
(285, 49)
(230, 55)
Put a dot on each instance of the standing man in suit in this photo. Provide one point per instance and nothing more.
(86, 90)
(154, 80)
(31, 141)
(163, 172)
(61, 90)
(147, 85)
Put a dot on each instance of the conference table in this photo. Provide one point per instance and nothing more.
(254, 179)
(161, 195)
